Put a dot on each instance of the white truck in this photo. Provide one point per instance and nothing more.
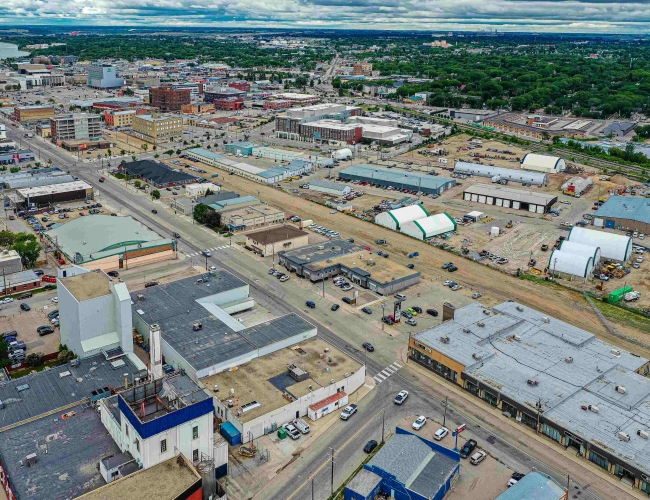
(631, 296)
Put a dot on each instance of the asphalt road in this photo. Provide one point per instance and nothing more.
(347, 437)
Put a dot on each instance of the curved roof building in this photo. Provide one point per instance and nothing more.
(581, 249)
(612, 246)
(535, 179)
(395, 219)
(424, 229)
(543, 163)
(570, 263)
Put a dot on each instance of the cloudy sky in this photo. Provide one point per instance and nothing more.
(586, 16)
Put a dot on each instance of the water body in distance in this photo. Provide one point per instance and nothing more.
(10, 50)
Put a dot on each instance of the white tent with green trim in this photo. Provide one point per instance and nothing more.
(395, 219)
(424, 229)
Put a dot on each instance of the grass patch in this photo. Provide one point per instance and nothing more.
(26, 371)
(624, 315)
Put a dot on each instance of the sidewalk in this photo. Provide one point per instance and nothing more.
(556, 456)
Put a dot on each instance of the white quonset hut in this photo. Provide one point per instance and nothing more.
(499, 174)
(612, 246)
(543, 163)
(395, 219)
(431, 226)
(570, 265)
(582, 249)
(342, 154)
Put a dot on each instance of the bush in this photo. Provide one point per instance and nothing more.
(35, 359)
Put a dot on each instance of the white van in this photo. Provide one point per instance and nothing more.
(301, 425)
(442, 160)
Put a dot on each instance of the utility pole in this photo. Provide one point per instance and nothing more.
(332, 480)
(312, 489)
(444, 418)
(206, 262)
(539, 407)
(383, 425)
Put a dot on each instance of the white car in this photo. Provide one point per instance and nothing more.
(212, 268)
(639, 259)
(604, 277)
(401, 397)
(55, 300)
(284, 278)
(8, 300)
(478, 457)
(447, 282)
(440, 433)
(419, 422)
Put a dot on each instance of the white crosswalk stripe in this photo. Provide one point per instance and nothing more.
(222, 247)
(387, 372)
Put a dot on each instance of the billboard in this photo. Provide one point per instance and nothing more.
(397, 311)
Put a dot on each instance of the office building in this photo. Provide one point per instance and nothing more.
(157, 129)
(52, 194)
(34, 113)
(168, 98)
(119, 119)
(103, 76)
(75, 126)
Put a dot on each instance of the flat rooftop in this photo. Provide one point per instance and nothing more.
(177, 305)
(625, 207)
(321, 251)
(265, 379)
(165, 481)
(88, 285)
(54, 189)
(383, 270)
(42, 392)
(67, 453)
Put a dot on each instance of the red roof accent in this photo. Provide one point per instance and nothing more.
(327, 401)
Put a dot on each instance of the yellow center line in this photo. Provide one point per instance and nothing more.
(328, 460)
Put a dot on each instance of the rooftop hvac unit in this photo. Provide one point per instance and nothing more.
(594, 408)
(196, 326)
(140, 296)
(546, 320)
(568, 360)
(520, 309)
(532, 382)
(486, 311)
(623, 436)
(476, 355)
(444, 339)
(517, 338)
(620, 389)
(615, 352)
(480, 323)
(642, 434)
(466, 330)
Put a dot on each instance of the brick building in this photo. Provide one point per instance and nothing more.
(362, 69)
(240, 85)
(229, 103)
(279, 104)
(35, 113)
(167, 98)
(119, 119)
(198, 108)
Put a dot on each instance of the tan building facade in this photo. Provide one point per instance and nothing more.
(157, 129)
(271, 241)
(25, 114)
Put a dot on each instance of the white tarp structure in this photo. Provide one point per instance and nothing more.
(342, 154)
(543, 163)
(395, 219)
(577, 184)
(581, 249)
(508, 174)
(612, 246)
(428, 227)
(570, 264)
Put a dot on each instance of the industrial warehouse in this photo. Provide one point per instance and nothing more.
(624, 213)
(329, 187)
(42, 196)
(554, 377)
(35, 178)
(426, 184)
(324, 261)
(498, 174)
(510, 198)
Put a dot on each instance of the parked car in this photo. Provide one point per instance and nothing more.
(113, 274)
(17, 345)
(335, 307)
(452, 269)
(154, 211)
(25, 307)
(45, 330)
(419, 422)
(478, 457)
(310, 304)
(368, 346)
(25, 295)
(440, 433)
(447, 265)
(468, 448)
(367, 310)
(515, 478)
(477, 295)
(411, 322)
(149, 284)
(370, 446)
(401, 397)
(432, 312)
(292, 432)
(348, 411)
(53, 314)
(347, 300)
(400, 296)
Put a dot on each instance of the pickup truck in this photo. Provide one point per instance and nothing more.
(468, 448)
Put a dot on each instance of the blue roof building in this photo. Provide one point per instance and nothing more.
(407, 467)
(241, 148)
(624, 212)
(535, 486)
(398, 179)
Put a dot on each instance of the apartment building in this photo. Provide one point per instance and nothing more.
(167, 98)
(75, 126)
(157, 129)
(240, 85)
(199, 108)
(362, 69)
(119, 119)
(103, 76)
(34, 113)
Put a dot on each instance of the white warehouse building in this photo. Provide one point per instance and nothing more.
(427, 228)
(543, 163)
(612, 246)
(395, 219)
(498, 174)
(570, 265)
(329, 187)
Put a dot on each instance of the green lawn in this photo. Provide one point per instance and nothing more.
(623, 315)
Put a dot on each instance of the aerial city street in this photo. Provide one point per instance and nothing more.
(312, 263)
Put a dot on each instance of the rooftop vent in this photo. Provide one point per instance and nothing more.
(615, 352)
(480, 323)
(642, 434)
(520, 309)
(594, 408)
(466, 330)
(568, 360)
(546, 320)
(140, 296)
(532, 382)
(620, 389)
(476, 355)
(444, 339)
(517, 338)
(486, 311)
(196, 326)
(623, 436)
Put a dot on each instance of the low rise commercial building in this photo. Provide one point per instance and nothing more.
(75, 126)
(10, 262)
(499, 174)
(223, 93)
(297, 99)
(250, 216)
(55, 193)
(323, 261)
(199, 108)
(327, 187)
(157, 129)
(168, 98)
(556, 378)
(625, 213)
(16, 156)
(155, 173)
(535, 486)
(186, 205)
(517, 199)
(399, 180)
(271, 241)
(20, 281)
(242, 85)
(34, 113)
(277, 104)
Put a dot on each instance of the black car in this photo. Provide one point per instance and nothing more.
(53, 314)
(176, 235)
(467, 448)
(25, 295)
(432, 312)
(25, 307)
(370, 446)
(518, 476)
(367, 310)
(387, 320)
(44, 330)
(335, 307)
(154, 211)
(417, 309)
(347, 300)
(410, 266)
(50, 286)
(368, 346)
(149, 284)
(451, 269)
(113, 214)
(113, 274)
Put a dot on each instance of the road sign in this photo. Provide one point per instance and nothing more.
(461, 428)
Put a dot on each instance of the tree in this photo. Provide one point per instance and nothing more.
(133, 157)
(178, 151)
(109, 152)
(7, 239)
(155, 194)
(145, 147)
(169, 152)
(211, 219)
(65, 356)
(122, 152)
(137, 184)
(128, 91)
(35, 359)
(28, 248)
(200, 211)
(545, 136)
